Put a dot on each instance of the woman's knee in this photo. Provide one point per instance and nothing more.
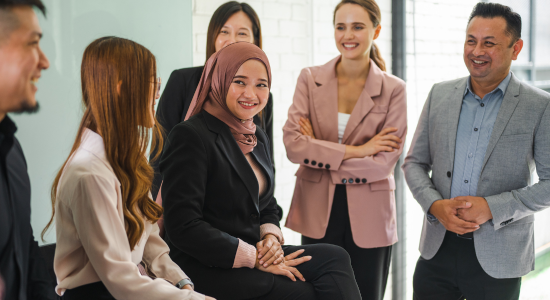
(333, 253)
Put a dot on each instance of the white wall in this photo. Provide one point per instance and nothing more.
(47, 137)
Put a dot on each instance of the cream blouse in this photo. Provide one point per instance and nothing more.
(92, 244)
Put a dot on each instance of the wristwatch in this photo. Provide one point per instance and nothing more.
(185, 282)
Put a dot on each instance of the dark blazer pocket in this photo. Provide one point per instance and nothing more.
(309, 174)
(382, 185)
(515, 137)
(379, 109)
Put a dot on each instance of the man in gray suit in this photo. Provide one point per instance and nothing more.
(469, 167)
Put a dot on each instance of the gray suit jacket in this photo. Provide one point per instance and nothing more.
(520, 140)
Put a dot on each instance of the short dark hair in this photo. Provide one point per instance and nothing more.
(9, 21)
(492, 10)
(221, 15)
(9, 4)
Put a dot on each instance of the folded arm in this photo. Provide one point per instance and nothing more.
(299, 147)
(381, 165)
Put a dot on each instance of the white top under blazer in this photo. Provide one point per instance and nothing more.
(343, 119)
(92, 244)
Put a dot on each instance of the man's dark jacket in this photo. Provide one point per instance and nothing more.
(21, 266)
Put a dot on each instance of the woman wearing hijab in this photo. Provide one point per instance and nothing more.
(220, 214)
(231, 22)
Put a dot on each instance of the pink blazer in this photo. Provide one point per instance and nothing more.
(369, 181)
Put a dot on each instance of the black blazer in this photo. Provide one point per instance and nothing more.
(175, 102)
(22, 267)
(210, 199)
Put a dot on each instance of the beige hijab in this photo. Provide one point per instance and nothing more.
(214, 85)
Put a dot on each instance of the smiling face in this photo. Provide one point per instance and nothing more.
(238, 28)
(487, 52)
(249, 91)
(354, 31)
(21, 63)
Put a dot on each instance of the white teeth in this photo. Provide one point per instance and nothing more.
(479, 62)
(34, 80)
(350, 46)
(247, 104)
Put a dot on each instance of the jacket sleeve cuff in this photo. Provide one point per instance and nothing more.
(246, 256)
(269, 228)
(431, 218)
(497, 205)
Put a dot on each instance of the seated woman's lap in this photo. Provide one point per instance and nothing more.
(238, 283)
(286, 289)
(324, 258)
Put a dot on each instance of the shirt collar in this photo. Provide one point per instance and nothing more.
(7, 129)
(93, 143)
(502, 86)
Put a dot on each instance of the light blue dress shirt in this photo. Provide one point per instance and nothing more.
(477, 118)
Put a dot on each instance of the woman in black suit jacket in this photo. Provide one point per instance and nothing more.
(218, 196)
(231, 22)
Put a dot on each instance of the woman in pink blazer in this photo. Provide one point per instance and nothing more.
(346, 128)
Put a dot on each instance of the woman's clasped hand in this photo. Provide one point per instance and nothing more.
(287, 266)
(269, 251)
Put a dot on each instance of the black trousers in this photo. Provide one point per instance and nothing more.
(454, 273)
(328, 275)
(92, 291)
(370, 266)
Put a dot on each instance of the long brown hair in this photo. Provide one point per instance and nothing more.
(376, 17)
(222, 14)
(123, 120)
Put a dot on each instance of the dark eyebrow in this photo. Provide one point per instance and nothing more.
(37, 33)
(353, 23)
(485, 38)
(244, 77)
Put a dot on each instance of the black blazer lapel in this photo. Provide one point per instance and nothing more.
(260, 154)
(234, 155)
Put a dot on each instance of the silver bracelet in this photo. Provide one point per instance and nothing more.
(185, 282)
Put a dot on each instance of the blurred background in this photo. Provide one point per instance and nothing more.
(421, 41)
